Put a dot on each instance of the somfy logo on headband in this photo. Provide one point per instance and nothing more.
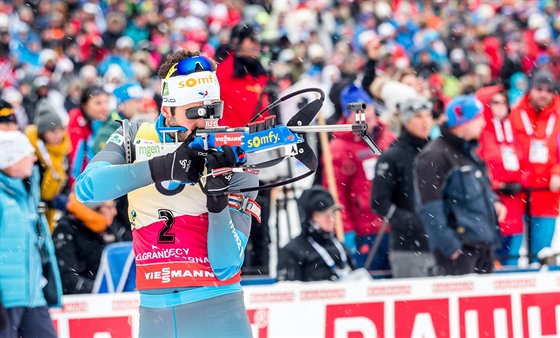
(192, 82)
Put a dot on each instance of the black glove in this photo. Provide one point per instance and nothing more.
(184, 164)
(511, 188)
(216, 200)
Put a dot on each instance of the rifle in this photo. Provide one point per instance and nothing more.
(263, 144)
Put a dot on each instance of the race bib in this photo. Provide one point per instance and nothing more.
(509, 158)
(538, 152)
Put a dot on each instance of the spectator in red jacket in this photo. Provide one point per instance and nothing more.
(354, 166)
(242, 73)
(498, 147)
(536, 123)
(83, 126)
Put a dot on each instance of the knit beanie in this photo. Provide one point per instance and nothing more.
(14, 146)
(462, 109)
(128, 91)
(542, 78)
(412, 107)
(47, 119)
(315, 199)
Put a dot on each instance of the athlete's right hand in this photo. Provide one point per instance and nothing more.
(184, 164)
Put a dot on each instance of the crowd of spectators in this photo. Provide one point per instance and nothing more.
(66, 69)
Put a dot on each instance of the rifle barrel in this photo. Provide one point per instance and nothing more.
(325, 128)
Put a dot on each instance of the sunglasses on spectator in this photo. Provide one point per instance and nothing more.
(190, 65)
(421, 107)
(207, 111)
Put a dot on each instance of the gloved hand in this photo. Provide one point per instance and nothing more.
(511, 188)
(216, 200)
(350, 241)
(185, 164)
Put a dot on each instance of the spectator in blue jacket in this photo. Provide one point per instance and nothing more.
(458, 208)
(25, 244)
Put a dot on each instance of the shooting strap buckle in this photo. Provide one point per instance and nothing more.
(246, 204)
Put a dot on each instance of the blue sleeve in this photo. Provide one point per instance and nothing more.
(440, 236)
(228, 233)
(226, 244)
(103, 181)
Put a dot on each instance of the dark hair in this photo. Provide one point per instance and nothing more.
(90, 92)
(176, 58)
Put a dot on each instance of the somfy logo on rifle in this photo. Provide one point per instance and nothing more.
(259, 141)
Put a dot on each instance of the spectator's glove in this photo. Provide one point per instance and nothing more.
(216, 200)
(511, 188)
(350, 241)
(184, 164)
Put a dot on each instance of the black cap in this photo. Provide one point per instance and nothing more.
(242, 31)
(7, 113)
(315, 199)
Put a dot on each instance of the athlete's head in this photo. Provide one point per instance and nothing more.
(190, 91)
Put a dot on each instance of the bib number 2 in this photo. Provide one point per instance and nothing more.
(165, 236)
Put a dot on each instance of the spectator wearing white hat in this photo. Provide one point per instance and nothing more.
(25, 243)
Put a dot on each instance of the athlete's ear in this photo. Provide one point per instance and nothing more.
(166, 112)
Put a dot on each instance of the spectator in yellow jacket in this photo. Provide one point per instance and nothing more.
(52, 146)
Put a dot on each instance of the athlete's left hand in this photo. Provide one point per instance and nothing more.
(216, 185)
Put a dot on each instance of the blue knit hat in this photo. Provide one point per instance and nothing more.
(128, 91)
(462, 109)
(353, 93)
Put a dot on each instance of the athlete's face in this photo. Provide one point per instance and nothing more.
(179, 119)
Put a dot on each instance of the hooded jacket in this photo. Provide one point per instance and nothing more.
(21, 270)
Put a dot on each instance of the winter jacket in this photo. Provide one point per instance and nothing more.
(240, 93)
(79, 238)
(537, 175)
(456, 202)
(498, 137)
(82, 135)
(299, 261)
(21, 271)
(490, 151)
(392, 195)
(354, 169)
(53, 161)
